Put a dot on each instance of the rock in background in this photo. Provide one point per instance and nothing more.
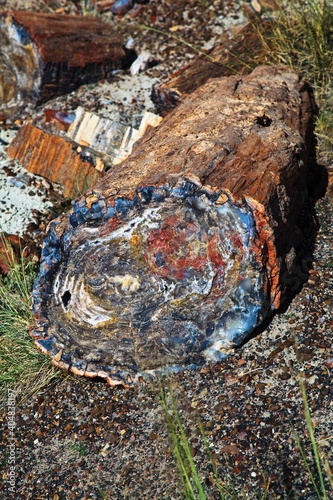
(45, 55)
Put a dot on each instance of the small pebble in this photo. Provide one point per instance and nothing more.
(120, 7)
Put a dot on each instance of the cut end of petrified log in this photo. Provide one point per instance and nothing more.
(162, 282)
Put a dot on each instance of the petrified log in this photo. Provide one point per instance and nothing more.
(181, 251)
(45, 55)
(234, 56)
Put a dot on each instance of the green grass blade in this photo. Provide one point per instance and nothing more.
(186, 447)
(306, 463)
(181, 449)
(222, 490)
(314, 445)
(22, 367)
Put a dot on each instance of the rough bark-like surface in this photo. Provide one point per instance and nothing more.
(183, 249)
(45, 55)
(235, 56)
(54, 158)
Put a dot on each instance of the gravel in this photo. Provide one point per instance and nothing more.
(80, 439)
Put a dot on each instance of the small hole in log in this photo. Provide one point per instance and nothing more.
(264, 121)
(66, 298)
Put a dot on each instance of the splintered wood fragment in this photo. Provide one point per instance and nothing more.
(234, 56)
(54, 158)
(45, 55)
(183, 249)
(111, 138)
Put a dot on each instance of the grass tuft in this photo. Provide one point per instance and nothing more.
(192, 484)
(301, 37)
(322, 468)
(22, 368)
(188, 472)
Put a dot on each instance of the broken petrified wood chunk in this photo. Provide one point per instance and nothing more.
(93, 143)
(110, 138)
(54, 158)
(182, 250)
(45, 55)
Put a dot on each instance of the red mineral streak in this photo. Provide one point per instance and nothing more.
(175, 246)
(214, 253)
(166, 243)
(236, 241)
(266, 239)
(110, 226)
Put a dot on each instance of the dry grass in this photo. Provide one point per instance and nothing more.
(302, 38)
(22, 368)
